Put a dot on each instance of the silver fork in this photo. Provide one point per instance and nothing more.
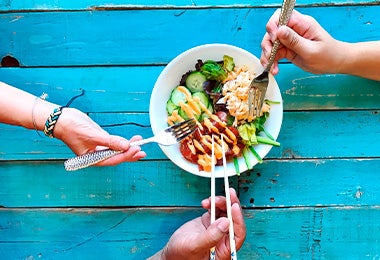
(259, 84)
(167, 136)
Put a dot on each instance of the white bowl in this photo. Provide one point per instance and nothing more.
(169, 79)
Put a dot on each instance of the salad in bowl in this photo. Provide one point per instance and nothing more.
(210, 83)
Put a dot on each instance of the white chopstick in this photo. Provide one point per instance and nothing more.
(212, 250)
(228, 201)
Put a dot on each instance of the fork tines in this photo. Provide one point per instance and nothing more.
(253, 102)
(256, 94)
(183, 129)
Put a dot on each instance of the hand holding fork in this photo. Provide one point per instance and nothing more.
(259, 84)
(167, 136)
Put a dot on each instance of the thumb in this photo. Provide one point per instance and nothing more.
(290, 39)
(214, 233)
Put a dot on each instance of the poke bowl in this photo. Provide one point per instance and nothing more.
(186, 80)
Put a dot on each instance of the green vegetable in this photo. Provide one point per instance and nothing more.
(266, 140)
(178, 96)
(213, 71)
(195, 80)
(170, 107)
(257, 156)
(247, 160)
(228, 63)
(247, 133)
(259, 124)
(236, 165)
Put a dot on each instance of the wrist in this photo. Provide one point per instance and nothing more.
(65, 121)
(40, 113)
(344, 57)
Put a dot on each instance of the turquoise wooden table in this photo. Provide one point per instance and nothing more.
(315, 197)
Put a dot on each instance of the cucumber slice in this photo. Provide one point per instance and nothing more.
(183, 114)
(195, 80)
(170, 107)
(202, 97)
(178, 96)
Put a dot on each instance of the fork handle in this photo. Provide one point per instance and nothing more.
(286, 12)
(88, 159)
(272, 55)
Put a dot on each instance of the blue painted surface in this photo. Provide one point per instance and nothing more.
(315, 197)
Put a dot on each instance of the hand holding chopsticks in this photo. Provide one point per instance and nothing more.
(231, 231)
(213, 234)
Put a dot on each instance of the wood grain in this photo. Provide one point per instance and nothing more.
(315, 197)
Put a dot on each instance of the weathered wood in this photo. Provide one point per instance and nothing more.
(128, 89)
(88, 38)
(275, 183)
(315, 197)
(315, 233)
(27, 5)
(314, 134)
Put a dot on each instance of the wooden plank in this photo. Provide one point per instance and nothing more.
(275, 183)
(28, 5)
(311, 182)
(107, 89)
(313, 134)
(163, 35)
(299, 233)
(149, 183)
(128, 89)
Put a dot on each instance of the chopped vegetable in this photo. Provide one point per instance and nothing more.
(257, 156)
(213, 71)
(195, 81)
(228, 63)
(247, 133)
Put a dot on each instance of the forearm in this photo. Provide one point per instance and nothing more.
(20, 108)
(362, 59)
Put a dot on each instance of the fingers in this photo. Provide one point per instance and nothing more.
(290, 39)
(272, 34)
(213, 234)
(239, 225)
(130, 154)
(237, 215)
(220, 201)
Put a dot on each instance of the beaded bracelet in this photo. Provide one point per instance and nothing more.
(53, 117)
(51, 121)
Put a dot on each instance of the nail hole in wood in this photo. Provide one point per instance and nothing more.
(9, 61)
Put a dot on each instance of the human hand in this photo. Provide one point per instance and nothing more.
(303, 42)
(194, 239)
(82, 135)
